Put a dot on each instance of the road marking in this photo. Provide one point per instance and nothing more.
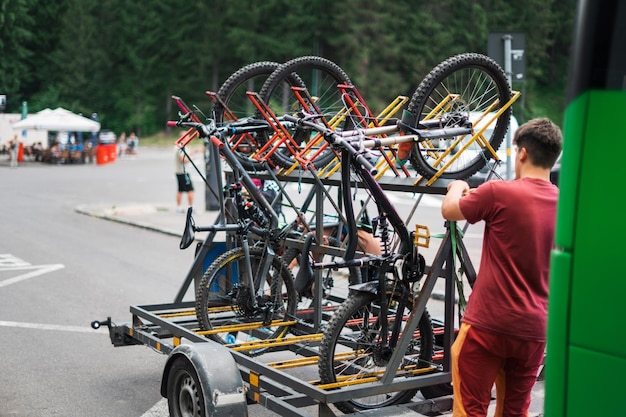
(9, 262)
(159, 409)
(55, 327)
(38, 270)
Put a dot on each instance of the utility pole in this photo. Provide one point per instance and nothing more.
(508, 71)
(507, 49)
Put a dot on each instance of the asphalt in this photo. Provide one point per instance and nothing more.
(165, 219)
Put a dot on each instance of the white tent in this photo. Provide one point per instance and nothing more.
(59, 120)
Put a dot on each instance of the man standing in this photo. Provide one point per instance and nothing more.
(503, 331)
(13, 149)
(183, 180)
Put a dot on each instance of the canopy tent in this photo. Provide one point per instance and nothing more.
(59, 120)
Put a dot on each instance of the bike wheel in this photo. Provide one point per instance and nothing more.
(474, 86)
(238, 106)
(350, 348)
(223, 299)
(321, 78)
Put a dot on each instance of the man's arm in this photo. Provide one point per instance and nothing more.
(450, 209)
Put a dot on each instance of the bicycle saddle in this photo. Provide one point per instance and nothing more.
(189, 232)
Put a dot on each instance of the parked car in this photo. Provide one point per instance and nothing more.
(107, 137)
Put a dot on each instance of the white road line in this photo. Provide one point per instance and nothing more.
(159, 409)
(39, 270)
(6, 259)
(40, 326)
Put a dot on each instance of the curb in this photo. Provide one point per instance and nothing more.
(101, 215)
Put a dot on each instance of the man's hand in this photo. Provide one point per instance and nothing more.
(459, 185)
(450, 209)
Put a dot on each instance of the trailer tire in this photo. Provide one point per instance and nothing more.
(184, 394)
(203, 380)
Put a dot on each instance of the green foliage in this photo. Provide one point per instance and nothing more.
(124, 60)
(16, 25)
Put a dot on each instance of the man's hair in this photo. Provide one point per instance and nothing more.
(542, 139)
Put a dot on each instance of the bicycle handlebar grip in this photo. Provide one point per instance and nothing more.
(172, 123)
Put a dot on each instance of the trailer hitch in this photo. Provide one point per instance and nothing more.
(96, 324)
(117, 334)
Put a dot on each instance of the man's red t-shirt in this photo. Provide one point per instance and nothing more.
(510, 295)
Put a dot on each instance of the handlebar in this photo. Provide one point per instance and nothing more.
(335, 140)
(210, 129)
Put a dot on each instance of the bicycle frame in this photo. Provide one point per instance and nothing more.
(353, 159)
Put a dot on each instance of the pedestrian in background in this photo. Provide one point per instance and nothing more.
(503, 331)
(183, 180)
(95, 135)
(121, 145)
(133, 143)
(13, 150)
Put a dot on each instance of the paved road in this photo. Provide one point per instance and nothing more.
(59, 270)
(62, 266)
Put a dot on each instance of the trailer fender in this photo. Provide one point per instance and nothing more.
(216, 371)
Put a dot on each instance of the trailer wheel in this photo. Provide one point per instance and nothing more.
(184, 393)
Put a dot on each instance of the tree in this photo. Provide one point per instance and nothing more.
(124, 60)
(15, 33)
(77, 58)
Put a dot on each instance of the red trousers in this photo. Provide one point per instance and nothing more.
(480, 359)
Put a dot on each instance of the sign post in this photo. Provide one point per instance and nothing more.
(507, 49)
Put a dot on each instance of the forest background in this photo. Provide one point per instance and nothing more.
(124, 60)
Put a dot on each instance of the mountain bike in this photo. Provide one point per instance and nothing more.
(247, 292)
(362, 334)
(366, 335)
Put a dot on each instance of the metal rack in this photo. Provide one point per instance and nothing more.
(170, 327)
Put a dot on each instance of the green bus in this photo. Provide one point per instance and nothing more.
(586, 350)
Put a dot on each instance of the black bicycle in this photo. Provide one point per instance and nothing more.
(363, 333)
(247, 293)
